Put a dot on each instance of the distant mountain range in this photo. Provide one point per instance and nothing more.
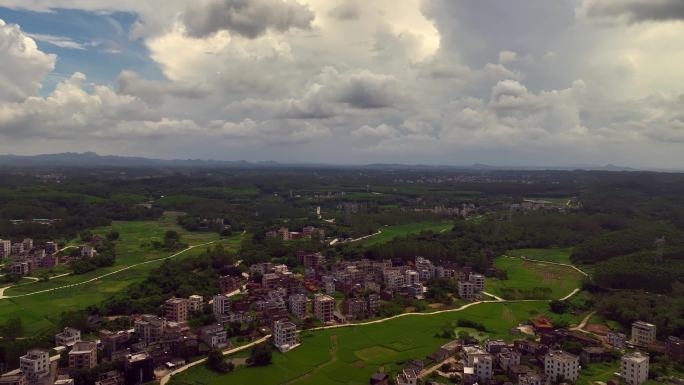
(91, 159)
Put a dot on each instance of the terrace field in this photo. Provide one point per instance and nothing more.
(135, 259)
(352, 354)
(527, 279)
(390, 232)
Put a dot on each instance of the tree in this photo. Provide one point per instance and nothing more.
(113, 236)
(559, 307)
(260, 355)
(12, 329)
(217, 363)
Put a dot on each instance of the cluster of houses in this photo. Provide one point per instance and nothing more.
(529, 362)
(48, 367)
(285, 234)
(26, 256)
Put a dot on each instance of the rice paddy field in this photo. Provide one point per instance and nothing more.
(352, 354)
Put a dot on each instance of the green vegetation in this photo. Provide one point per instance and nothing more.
(351, 355)
(548, 255)
(536, 280)
(390, 232)
(41, 312)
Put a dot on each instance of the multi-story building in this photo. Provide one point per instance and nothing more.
(634, 368)
(195, 302)
(478, 280)
(88, 252)
(479, 361)
(530, 379)
(354, 308)
(617, 340)
(284, 335)
(229, 284)
(18, 248)
(67, 337)
(20, 268)
(411, 278)
(466, 290)
(323, 307)
(35, 364)
(113, 377)
(149, 328)
(139, 369)
(394, 280)
(674, 346)
(373, 304)
(561, 366)
(83, 355)
(51, 248)
(407, 377)
(5, 248)
(28, 244)
(221, 305)
(114, 341)
(297, 305)
(215, 336)
(643, 333)
(176, 309)
(14, 379)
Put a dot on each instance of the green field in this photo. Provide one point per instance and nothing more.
(41, 311)
(390, 232)
(351, 355)
(549, 255)
(524, 276)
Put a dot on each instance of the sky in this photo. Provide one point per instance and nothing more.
(449, 82)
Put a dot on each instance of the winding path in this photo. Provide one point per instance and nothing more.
(3, 296)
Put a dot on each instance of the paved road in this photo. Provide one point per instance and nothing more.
(164, 380)
(2, 296)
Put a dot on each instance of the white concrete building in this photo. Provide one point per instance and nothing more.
(643, 333)
(5, 248)
(285, 336)
(323, 307)
(634, 368)
(617, 340)
(297, 305)
(412, 278)
(221, 305)
(478, 281)
(35, 364)
(68, 337)
(195, 302)
(479, 361)
(560, 365)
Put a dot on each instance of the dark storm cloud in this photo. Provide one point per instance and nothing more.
(249, 18)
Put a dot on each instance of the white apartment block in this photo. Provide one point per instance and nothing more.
(478, 280)
(617, 340)
(323, 307)
(561, 366)
(35, 364)
(221, 305)
(297, 305)
(466, 290)
(195, 302)
(411, 278)
(634, 368)
(480, 361)
(68, 337)
(5, 248)
(643, 333)
(284, 336)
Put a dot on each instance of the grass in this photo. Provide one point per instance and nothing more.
(351, 355)
(390, 232)
(601, 371)
(40, 312)
(524, 276)
(549, 255)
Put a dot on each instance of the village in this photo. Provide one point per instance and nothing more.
(270, 301)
